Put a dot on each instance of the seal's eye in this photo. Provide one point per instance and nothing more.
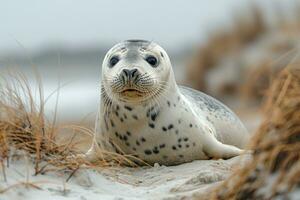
(113, 61)
(152, 61)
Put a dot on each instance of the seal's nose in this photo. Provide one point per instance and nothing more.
(130, 73)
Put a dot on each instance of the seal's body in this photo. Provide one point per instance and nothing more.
(145, 113)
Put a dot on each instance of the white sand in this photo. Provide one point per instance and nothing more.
(159, 182)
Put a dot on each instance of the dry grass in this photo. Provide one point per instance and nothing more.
(233, 43)
(24, 130)
(224, 43)
(23, 126)
(275, 168)
(258, 81)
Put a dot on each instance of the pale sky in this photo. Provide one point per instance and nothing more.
(35, 23)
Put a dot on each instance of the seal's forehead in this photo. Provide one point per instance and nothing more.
(140, 42)
(133, 45)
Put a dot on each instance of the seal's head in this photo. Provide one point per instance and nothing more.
(135, 71)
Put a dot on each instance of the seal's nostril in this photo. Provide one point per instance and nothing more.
(130, 73)
(133, 72)
(126, 72)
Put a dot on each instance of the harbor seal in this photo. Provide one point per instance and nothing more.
(143, 112)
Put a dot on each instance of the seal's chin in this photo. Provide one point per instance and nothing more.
(133, 95)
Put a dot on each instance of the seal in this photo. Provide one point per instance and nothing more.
(143, 112)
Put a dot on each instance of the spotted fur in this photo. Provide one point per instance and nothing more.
(168, 125)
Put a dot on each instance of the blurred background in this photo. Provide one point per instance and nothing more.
(229, 49)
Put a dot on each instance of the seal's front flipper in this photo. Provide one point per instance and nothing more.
(91, 154)
(216, 149)
(100, 150)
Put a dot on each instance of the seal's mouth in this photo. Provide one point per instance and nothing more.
(132, 93)
(130, 90)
